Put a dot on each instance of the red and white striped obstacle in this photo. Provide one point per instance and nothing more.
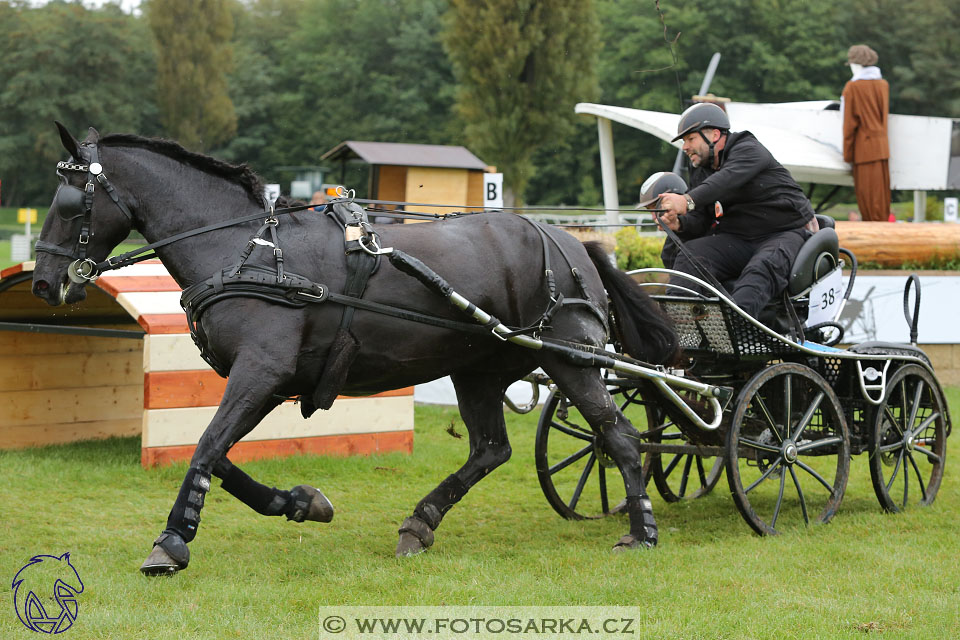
(180, 392)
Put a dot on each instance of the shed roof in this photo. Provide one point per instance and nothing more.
(407, 155)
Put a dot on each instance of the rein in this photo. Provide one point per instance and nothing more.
(289, 289)
(84, 269)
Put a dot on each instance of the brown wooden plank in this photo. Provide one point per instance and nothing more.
(475, 193)
(172, 389)
(202, 388)
(392, 184)
(122, 284)
(64, 406)
(341, 445)
(164, 323)
(25, 343)
(17, 268)
(61, 371)
(20, 436)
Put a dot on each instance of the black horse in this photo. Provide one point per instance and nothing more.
(273, 351)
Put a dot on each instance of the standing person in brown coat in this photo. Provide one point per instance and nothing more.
(865, 104)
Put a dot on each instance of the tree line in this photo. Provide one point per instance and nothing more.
(276, 83)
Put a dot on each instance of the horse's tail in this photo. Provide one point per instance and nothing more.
(645, 332)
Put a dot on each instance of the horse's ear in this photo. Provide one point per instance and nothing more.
(93, 137)
(69, 142)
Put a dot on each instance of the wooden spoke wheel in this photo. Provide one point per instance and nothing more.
(909, 440)
(579, 479)
(788, 449)
(678, 476)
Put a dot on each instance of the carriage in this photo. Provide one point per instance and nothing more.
(295, 303)
(797, 406)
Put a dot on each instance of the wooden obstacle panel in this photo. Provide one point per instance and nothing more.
(57, 387)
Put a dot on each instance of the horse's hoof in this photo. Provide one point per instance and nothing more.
(415, 537)
(630, 542)
(309, 504)
(409, 545)
(166, 561)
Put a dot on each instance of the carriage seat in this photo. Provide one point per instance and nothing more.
(818, 256)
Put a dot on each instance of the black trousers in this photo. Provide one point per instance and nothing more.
(759, 267)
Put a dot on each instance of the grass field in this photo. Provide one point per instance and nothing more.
(865, 573)
(9, 225)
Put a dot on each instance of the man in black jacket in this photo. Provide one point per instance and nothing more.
(747, 216)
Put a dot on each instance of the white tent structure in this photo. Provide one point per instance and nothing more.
(807, 139)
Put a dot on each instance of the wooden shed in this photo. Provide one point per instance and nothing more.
(122, 363)
(427, 173)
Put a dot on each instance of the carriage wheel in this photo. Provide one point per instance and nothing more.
(788, 449)
(578, 478)
(685, 475)
(909, 440)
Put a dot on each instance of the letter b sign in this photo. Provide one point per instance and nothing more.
(493, 190)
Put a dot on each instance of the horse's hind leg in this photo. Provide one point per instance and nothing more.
(585, 388)
(480, 398)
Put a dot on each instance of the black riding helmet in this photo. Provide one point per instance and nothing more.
(704, 115)
(660, 182)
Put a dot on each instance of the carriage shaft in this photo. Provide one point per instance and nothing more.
(582, 355)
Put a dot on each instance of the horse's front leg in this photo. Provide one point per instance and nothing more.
(481, 406)
(247, 400)
(301, 503)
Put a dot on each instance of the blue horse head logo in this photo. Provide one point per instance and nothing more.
(45, 593)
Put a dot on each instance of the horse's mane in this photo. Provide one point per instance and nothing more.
(241, 174)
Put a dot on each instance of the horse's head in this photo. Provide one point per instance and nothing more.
(86, 220)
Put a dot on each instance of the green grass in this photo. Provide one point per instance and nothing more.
(9, 225)
(257, 577)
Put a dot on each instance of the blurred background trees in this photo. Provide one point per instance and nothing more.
(278, 82)
(193, 41)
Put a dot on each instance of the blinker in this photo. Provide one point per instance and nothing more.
(69, 202)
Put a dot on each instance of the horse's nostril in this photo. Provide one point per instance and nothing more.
(41, 285)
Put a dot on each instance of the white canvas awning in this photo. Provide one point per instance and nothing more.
(807, 139)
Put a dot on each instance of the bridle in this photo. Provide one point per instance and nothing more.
(72, 202)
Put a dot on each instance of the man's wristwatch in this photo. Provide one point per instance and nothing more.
(690, 204)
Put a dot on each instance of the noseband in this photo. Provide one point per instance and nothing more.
(72, 202)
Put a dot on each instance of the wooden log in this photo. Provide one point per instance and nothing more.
(892, 244)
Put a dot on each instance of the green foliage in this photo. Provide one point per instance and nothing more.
(313, 74)
(305, 75)
(64, 62)
(937, 262)
(521, 66)
(637, 252)
(194, 56)
(917, 44)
